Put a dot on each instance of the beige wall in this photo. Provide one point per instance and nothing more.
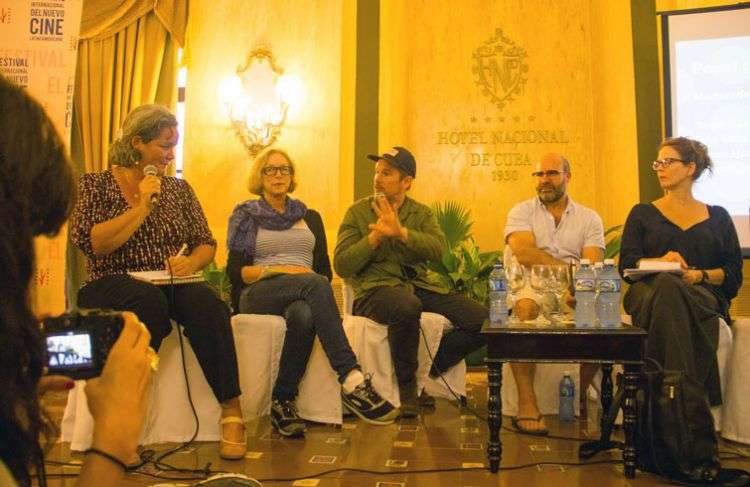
(614, 118)
(306, 39)
(579, 86)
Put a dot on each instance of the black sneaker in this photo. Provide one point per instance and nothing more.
(365, 402)
(426, 401)
(285, 419)
(409, 400)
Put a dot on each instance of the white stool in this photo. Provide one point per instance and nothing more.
(736, 386)
(169, 417)
(369, 340)
(259, 340)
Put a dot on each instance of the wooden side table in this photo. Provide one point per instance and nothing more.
(605, 346)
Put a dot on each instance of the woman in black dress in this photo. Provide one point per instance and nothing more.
(681, 313)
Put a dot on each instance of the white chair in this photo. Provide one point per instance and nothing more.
(169, 417)
(258, 341)
(736, 386)
(369, 340)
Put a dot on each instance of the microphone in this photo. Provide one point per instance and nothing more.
(151, 170)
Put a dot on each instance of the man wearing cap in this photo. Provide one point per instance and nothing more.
(384, 243)
(549, 228)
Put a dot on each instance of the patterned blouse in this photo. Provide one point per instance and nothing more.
(177, 219)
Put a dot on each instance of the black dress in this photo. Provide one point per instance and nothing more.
(682, 319)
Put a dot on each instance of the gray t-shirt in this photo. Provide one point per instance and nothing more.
(285, 247)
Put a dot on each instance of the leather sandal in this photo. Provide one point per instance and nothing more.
(515, 421)
(232, 450)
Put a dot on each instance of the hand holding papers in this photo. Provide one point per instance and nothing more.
(162, 277)
(179, 267)
(648, 267)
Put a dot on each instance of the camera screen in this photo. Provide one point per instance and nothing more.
(69, 351)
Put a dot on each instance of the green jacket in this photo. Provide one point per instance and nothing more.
(392, 263)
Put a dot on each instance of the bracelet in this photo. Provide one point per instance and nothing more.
(108, 456)
(704, 275)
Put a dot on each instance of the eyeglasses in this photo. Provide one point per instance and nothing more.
(271, 170)
(664, 163)
(552, 173)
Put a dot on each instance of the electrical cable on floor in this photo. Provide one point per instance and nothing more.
(158, 461)
(461, 404)
(200, 474)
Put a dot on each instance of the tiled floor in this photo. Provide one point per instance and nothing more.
(447, 438)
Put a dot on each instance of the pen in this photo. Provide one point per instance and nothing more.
(182, 250)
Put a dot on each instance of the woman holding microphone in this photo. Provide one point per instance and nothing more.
(132, 217)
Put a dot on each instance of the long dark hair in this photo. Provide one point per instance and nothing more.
(37, 193)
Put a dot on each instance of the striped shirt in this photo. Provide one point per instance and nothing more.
(178, 219)
(285, 247)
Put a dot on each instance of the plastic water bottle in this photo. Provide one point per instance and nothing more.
(498, 288)
(608, 302)
(585, 286)
(567, 398)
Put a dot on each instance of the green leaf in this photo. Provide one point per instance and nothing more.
(612, 247)
(454, 221)
(612, 229)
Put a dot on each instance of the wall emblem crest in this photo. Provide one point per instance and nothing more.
(500, 69)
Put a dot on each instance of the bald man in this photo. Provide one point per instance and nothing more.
(549, 228)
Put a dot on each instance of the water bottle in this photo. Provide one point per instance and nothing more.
(608, 302)
(567, 398)
(585, 287)
(498, 287)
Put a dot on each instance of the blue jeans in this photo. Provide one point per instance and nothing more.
(307, 304)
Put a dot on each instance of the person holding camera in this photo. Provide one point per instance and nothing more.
(132, 217)
(33, 163)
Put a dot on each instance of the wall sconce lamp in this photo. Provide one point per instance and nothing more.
(257, 98)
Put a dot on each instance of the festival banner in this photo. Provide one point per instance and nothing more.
(38, 51)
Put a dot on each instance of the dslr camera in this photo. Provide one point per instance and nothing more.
(78, 342)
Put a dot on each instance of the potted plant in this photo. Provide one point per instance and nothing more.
(217, 279)
(463, 267)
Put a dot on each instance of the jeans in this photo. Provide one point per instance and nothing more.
(202, 314)
(307, 304)
(400, 310)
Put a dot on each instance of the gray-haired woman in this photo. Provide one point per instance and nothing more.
(129, 219)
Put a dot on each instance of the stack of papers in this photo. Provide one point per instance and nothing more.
(648, 267)
(162, 277)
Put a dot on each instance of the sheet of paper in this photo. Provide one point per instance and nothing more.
(161, 277)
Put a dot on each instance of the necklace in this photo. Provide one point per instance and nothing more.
(126, 185)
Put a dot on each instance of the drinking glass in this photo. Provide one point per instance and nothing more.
(541, 279)
(559, 283)
(516, 275)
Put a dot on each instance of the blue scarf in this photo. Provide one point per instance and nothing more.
(250, 215)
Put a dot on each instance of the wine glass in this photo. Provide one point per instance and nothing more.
(516, 275)
(559, 283)
(540, 279)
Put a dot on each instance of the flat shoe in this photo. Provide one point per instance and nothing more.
(517, 426)
(228, 449)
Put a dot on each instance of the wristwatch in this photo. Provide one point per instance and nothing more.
(704, 273)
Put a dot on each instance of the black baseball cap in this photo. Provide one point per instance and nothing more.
(399, 157)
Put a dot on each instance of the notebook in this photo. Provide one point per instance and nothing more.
(161, 278)
(648, 267)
